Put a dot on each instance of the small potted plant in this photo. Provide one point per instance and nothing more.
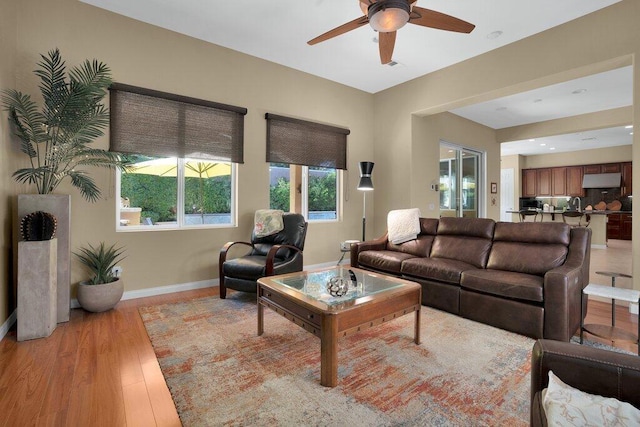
(104, 290)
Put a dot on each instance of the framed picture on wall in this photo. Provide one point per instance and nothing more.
(494, 188)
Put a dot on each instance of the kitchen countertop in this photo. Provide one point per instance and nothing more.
(588, 212)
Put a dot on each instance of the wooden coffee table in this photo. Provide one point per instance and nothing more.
(302, 298)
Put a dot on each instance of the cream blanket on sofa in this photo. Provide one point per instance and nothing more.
(403, 225)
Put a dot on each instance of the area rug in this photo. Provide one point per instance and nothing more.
(220, 372)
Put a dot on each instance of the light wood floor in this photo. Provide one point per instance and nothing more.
(100, 369)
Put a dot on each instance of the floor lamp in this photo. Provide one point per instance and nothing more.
(365, 185)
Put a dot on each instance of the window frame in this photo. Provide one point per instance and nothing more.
(180, 214)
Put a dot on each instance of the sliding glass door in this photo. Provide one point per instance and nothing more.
(460, 181)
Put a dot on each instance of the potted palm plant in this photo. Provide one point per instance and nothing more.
(57, 137)
(104, 290)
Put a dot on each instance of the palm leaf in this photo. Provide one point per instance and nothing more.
(56, 138)
(87, 186)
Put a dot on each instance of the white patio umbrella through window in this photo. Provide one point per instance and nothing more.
(168, 167)
(193, 168)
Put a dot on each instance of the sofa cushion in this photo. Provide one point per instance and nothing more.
(530, 248)
(471, 250)
(418, 247)
(526, 257)
(505, 284)
(387, 261)
(442, 269)
(464, 239)
(533, 232)
(471, 227)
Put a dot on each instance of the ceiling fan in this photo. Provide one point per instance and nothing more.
(388, 16)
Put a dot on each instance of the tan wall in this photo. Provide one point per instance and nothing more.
(8, 162)
(147, 56)
(600, 120)
(621, 153)
(597, 42)
(427, 133)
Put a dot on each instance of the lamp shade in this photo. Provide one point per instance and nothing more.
(366, 168)
(386, 16)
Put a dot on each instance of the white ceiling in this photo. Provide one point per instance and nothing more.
(278, 30)
(598, 92)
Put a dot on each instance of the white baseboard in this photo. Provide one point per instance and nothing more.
(161, 290)
(8, 324)
(598, 246)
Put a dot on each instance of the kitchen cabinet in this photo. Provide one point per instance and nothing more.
(529, 183)
(592, 169)
(574, 181)
(613, 226)
(558, 181)
(625, 226)
(543, 182)
(627, 172)
(610, 168)
(619, 226)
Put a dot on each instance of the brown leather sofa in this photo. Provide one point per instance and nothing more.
(522, 277)
(588, 369)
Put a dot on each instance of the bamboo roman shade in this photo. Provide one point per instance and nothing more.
(153, 123)
(300, 142)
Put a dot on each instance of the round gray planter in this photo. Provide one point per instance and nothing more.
(98, 298)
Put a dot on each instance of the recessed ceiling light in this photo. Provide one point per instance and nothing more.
(630, 133)
(578, 91)
(552, 148)
(589, 139)
(629, 127)
(543, 144)
(494, 34)
(531, 140)
(537, 100)
(501, 108)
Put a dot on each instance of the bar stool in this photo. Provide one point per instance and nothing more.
(524, 213)
(579, 215)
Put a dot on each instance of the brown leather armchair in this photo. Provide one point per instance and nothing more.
(588, 369)
(279, 253)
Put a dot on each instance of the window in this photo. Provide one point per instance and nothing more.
(318, 197)
(184, 152)
(305, 161)
(173, 193)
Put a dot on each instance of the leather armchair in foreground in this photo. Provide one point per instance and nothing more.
(278, 253)
(588, 369)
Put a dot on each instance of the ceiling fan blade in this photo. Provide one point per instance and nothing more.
(386, 43)
(351, 25)
(441, 21)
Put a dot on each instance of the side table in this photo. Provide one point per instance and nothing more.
(613, 276)
(604, 331)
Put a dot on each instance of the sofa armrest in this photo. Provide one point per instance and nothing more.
(588, 369)
(562, 299)
(378, 244)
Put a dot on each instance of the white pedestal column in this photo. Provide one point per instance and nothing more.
(37, 296)
(59, 205)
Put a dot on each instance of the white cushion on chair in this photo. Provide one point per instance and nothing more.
(567, 406)
(268, 222)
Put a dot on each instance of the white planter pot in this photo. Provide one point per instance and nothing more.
(99, 298)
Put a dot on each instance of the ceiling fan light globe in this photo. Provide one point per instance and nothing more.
(386, 16)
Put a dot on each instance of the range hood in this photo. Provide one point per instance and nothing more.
(601, 180)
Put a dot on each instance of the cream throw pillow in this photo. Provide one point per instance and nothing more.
(268, 222)
(567, 406)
